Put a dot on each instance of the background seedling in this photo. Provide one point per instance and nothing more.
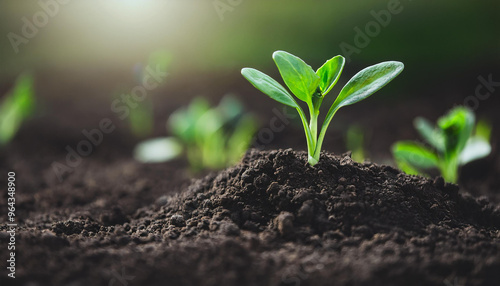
(17, 105)
(212, 138)
(454, 141)
(311, 87)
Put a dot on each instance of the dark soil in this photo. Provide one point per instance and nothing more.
(270, 220)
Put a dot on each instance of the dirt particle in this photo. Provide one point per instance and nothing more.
(262, 181)
(334, 234)
(284, 222)
(177, 220)
(114, 217)
(229, 228)
(273, 188)
(161, 201)
(302, 196)
(252, 226)
(247, 177)
(306, 211)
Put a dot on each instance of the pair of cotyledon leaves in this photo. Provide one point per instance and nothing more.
(304, 82)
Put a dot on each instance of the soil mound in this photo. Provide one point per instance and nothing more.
(278, 193)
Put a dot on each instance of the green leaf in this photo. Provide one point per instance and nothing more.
(457, 128)
(208, 124)
(483, 130)
(476, 148)
(230, 108)
(431, 134)
(359, 87)
(183, 121)
(16, 107)
(269, 86)
(409, 169)
(368, 81)
(415, 154)
(298, 76)
(329, 73)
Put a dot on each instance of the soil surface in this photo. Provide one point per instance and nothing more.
(270, 220)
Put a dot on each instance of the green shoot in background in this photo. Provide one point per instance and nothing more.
(455, 141)
(212, 138)
(355, 140)
(311, 87)
(16, 107)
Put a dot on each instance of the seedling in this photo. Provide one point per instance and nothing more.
(212, 138)
(312, 87)
(16, 107)
(455, 141)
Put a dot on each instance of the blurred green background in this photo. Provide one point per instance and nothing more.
(433, 38)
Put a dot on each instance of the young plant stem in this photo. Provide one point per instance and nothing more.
(310, 144)
(313, 125)
(317, 148)
(449, 170)
(316, 101)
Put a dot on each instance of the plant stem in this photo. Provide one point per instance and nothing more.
(324, 127)
(449, 170)
(307, 130)
(316, 101)
(313, 126)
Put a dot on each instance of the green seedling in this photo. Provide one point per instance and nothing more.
(355, 140)
(16, 107)
(312, 87)
(454, 141)
(212, 138)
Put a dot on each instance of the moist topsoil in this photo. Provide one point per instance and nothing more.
(270, 220)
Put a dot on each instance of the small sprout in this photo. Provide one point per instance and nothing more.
(16, 107)
(355, 140)
(311, 87)
(454, 141)
(213, 138)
